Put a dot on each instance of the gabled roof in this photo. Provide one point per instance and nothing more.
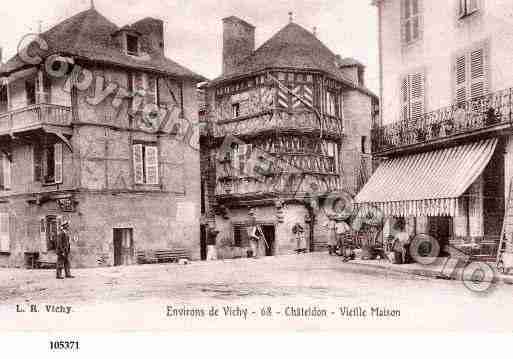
(89, 35)
(292, 47)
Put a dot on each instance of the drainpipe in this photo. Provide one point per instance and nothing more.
(380, 51)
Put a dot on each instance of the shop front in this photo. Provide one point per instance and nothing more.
(454, 194)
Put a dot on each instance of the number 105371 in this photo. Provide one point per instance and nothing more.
(64, 345)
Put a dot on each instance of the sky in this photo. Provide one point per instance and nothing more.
(193, 28)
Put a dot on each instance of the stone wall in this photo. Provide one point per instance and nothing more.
(98, 174)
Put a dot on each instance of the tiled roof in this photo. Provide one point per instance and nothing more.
(89, 35)
(292, 47)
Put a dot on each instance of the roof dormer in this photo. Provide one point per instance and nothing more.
(130, 40)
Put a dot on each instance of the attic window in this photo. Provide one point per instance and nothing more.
(132, 45)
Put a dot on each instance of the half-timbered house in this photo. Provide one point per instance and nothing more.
(286, 126)
(92, 122)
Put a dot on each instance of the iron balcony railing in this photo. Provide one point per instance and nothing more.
(488, 111)
(33, 117)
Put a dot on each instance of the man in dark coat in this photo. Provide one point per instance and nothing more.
(62, 247)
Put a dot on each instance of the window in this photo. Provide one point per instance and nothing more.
(146, 164)
(332, 103)
(144, 88)
(471, 74)
(37, 89)
(132, 45)
(5, 172)
(48, 163)
(30, 91)
(412, 97)
(332, 152)
(5, 233)
(4, 105)
(235, 110)
(48, 232)
(240, 158)
(240, 236)
(411, 21)
(468, 7)
(364, 144)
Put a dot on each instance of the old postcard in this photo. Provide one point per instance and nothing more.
(317, 165)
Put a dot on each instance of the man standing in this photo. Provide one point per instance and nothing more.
(62, 247)
(256, 234)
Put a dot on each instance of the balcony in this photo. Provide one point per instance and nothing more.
(485, 116)
(33, 118)
(278, 120)
(291, 184)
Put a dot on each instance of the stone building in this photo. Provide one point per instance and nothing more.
(287, 127)
(445, 142)
(95, 128)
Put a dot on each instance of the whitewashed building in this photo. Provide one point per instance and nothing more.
(446, 111)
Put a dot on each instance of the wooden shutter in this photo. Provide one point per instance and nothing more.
(151, 157)
(6, 173)
(405, 99)
(37, 158)
(416, 96)
(477, 73)
(461, 79)
(138, 163)
(58, 159)
(5, 237)
(43, 241)
(411, 20)
(415, 22)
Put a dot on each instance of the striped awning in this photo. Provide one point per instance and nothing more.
(426, 184)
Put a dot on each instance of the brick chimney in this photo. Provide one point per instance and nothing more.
(238, 42)
(153, 33)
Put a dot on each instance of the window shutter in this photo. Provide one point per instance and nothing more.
(152, 164)
(6, 165)
(411, 21)
(415, 20)
(461, 79)
(37, 158)
(43, 242)
(405, 99)
(477, 73)
(138, 164)
(57, 158)
(5, 238)
(416, 96)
